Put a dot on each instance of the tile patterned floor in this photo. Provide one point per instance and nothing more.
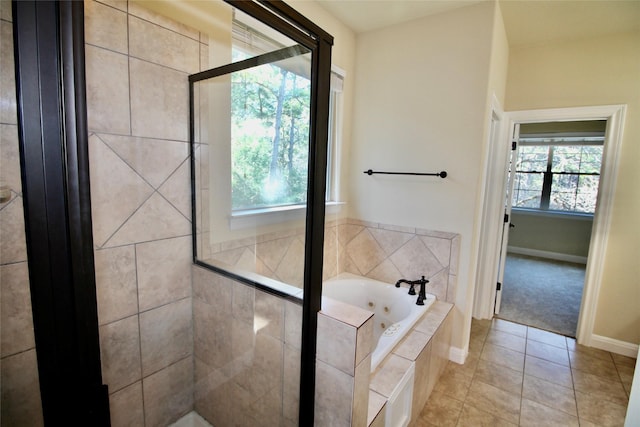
(521, 376)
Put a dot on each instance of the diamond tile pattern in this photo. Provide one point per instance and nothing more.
(365, 251)
(140, 193)
(117, 191)
(377, 251)
(153, 159)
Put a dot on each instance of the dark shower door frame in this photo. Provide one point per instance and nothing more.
(53, 140)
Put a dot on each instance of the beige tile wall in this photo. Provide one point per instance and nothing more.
(137, 66)
(343, 367)
(387, 253)
(20, 394)
(246, 351)
(379, 251)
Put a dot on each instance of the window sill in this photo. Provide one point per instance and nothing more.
(553, 214)
(266, 216)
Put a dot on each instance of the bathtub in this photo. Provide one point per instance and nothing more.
(395, 312)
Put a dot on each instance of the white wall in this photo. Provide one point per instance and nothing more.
(422, 104)
(596, 71)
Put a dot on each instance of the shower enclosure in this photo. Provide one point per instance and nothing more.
(259, 128)
(127, 326)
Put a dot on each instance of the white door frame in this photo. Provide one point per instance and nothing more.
(494, 177)
(494, 193)
(510, 174)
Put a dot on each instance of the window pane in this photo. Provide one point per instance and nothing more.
(251, 144)
(527, 190)
(591, 159)
(566, 159)
(532, 158)
(563, 192)
(270, 134)
(575, 192)
(580, 158)
(587, 193)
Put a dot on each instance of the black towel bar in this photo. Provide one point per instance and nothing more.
(442, 174)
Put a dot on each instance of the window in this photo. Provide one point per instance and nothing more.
(335, 131)
(270, 107)
(558, 174)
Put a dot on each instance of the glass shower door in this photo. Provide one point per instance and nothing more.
(251, 118)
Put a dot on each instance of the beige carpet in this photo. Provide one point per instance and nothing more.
(542, 293)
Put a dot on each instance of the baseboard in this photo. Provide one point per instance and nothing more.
(614, 346)
(547, 254)
(458, 355)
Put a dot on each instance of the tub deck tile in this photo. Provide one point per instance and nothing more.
(346, 313)
(412, 345)
(377, 403)
(388, 375)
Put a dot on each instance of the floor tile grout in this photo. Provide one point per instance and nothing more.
(480, 334)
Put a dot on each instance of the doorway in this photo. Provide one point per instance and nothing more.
(494, 208)
(551, 201)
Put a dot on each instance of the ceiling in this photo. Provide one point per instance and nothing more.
(526, 21)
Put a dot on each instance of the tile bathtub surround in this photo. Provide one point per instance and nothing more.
(426, 346)
(377, 410)
(512, 378)
(387, 252)
(372, 254)
(379, 251)
(344, 344)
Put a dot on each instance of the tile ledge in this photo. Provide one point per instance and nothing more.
(393, 353)
(345, 313)
(377, 403)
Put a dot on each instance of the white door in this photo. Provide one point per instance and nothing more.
(511, 173)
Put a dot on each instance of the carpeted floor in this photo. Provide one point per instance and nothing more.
(542, 293)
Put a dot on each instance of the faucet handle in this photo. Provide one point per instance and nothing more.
(412, 290)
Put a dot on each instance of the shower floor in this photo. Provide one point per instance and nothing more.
(192, 419)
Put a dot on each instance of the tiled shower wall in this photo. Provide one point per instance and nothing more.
(379, 251)
(137, 67)
(20, 398)
(247, 353)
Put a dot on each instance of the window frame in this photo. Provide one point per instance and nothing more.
(548, 173)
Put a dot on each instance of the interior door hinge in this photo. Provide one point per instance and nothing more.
(499, 287)
(514, 144)
(506, 217)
